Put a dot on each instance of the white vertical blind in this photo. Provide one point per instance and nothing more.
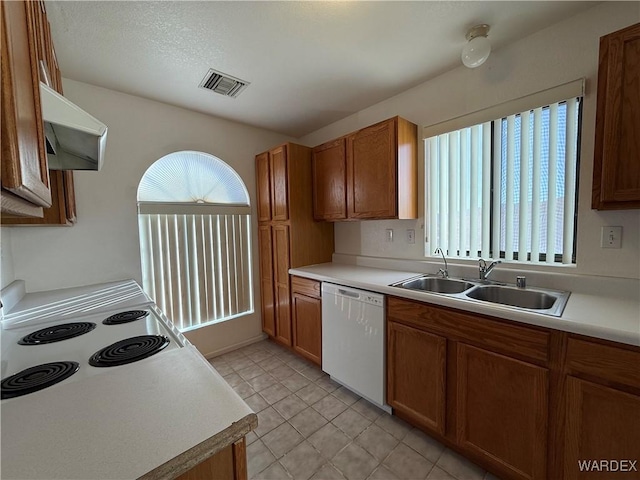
(486, 189)
(197, 267)
(506, 188)
(570, 179)
(497, 180)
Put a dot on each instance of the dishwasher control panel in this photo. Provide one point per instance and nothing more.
(375, 300)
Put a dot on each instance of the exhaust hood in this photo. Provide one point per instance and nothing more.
(75, 140)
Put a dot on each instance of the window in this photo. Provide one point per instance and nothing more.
(194, 223)
(506, 188)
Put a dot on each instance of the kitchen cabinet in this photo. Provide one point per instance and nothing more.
(478, 384)
(416, 382)
(602, 408)
(61, 207)
(378, 166)
(228, 464)
(25, 176)
(288, 236)
(265, 243)
(502, 408)
(524, 402)
(616, 169)
(330, 180)
(307, 318)
(282, 290)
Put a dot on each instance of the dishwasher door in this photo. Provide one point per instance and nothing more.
(353, 340)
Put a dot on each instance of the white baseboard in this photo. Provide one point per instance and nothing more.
(235, 346)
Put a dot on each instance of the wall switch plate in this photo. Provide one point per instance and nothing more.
(389, 234)
(611, 237)
(411, 235)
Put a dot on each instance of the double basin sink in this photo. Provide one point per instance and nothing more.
(549, 302)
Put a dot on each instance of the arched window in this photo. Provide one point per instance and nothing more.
(194, 222)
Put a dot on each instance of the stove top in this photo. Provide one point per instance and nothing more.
(57, 333)
(43, 349)
(36, 378)
(125, 317)
(129, 350)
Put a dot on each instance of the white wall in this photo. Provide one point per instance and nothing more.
(103, 245)
(7, 274)
(560, 53)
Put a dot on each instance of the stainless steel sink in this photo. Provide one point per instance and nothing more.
(513, 297)
(549, 302)
(538, 300)
(436, 285)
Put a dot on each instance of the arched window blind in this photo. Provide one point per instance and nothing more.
(193, 218)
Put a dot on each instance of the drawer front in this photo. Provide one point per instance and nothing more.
(607, 362)
(306, 286)
(496, 335)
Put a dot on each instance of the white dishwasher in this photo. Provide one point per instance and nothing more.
(353, 340)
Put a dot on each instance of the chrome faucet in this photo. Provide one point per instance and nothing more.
(444, 272)
(483, 270)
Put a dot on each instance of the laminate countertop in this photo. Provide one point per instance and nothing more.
(596, 315)
(155, 419)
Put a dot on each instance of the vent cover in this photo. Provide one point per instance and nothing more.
(223, 84)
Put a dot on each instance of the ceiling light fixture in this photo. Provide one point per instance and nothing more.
(478, 47)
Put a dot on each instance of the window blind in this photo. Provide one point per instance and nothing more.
(197, 268)
(506, 188)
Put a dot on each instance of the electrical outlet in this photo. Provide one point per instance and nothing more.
(611, 237)
(411, 235)
(389, 234)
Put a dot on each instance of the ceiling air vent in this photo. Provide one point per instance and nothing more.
(223, 84)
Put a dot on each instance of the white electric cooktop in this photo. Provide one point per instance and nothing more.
(90, 320)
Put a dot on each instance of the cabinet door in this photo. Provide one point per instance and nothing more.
(263, 184)
(307, 327)
(502, 411)
(617, 151)
(602, 424)
(279, 184)
(266, 280)
(329, 163)
(416, 362)
(24, 158)
(371, 172)
(282, 284)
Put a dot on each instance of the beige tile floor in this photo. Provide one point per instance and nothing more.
(310, 427)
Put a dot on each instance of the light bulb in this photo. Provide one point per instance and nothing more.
(476, 51)
(478, 47)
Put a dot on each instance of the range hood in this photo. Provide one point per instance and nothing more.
(75, 140)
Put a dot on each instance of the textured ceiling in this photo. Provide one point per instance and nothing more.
(309, 63)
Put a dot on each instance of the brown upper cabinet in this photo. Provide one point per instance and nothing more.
(273, 187)
(25, 177)
(616, 166)
(28, 58)
(368, 174)
(330, 180)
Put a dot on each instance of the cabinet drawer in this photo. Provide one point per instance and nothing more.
(496, 335)
(607, 362)
(306, 286)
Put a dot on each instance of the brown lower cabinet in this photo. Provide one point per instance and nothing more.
(307, 318)
(502, 407)
(416, 371)
(229, 463)
(524, 402)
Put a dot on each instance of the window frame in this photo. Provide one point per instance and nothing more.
(501, 111)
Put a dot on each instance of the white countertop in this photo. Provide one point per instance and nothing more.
(121, 424)
(609, 318)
